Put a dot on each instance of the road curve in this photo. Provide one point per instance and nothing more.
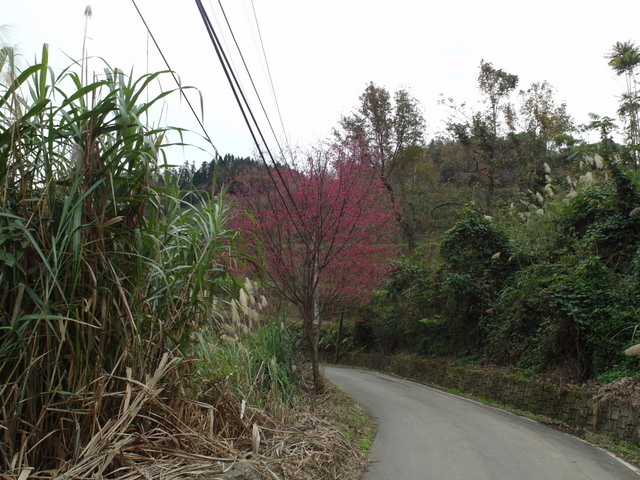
(426, 434)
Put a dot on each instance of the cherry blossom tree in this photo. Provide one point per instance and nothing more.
(327, 230)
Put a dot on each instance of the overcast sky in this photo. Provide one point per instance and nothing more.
(322, 54)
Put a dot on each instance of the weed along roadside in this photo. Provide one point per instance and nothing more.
(609, 416)
(131, 348)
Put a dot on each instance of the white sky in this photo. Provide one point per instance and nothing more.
(322, 54)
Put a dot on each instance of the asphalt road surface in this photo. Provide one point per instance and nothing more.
(426, 434)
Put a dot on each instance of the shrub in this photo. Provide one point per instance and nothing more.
(477, 261)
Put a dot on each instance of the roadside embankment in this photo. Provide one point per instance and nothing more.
(604, 413)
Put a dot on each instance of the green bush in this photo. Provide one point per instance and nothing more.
(259, 366)
(477, 261)
(564, 294)
(394, 314)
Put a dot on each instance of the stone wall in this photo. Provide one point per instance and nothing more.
(572, 406)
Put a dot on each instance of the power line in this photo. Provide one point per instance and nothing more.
(266, 62)
(251, 78)
(247, 113)
(175, 77)
(264, 54)
(246, 68)
(241, 100)
(217, 156)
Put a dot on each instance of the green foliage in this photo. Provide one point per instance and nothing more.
(395, 312)
(599, 218)
(549, 284)
(477, 261)
(551, 289)
(328, 340)
(580, 317)
(437, 307)
(472, 247)
(259, 366)
(218, 175)
(519, 313)
(574, 304)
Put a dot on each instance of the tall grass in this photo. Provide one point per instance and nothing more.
(257, 365)
(103, 268)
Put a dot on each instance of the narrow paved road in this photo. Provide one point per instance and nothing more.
(426, 434)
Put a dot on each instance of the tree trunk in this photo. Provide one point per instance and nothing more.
(339, 337)
(312, 340)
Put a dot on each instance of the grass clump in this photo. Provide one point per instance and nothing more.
(105, 271)
(258, 365)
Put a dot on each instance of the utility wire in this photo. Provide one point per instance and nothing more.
(247, 114)
(251, 77)
(266, 62)
(175, 77)
(246, 68)
(217, 156)
(240, 99)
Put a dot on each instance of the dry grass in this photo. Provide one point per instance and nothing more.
(159, 433)
(310, 448)
(357, 424)
(311, 441)
(625, 388)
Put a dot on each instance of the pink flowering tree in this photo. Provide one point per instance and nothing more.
(327, 230)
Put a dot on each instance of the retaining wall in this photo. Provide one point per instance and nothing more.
(573, 405)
